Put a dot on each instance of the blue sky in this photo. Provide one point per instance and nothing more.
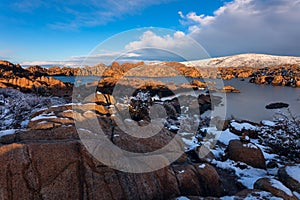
(57, 31)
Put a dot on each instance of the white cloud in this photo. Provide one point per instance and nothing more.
(177, 46)
(241, 26)
(151, 40)
(192, 18)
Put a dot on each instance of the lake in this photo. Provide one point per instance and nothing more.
(250, 103)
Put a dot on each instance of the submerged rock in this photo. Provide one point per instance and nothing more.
(277, 105)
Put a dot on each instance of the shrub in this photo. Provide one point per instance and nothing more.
(284, 137)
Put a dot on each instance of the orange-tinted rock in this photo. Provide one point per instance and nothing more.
(277, 80)
(198, 84)
(229, 88)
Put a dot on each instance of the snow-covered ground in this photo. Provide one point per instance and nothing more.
(17, 107)
(248, 175)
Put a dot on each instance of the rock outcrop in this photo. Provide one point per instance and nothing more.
(14, 76)
(41, 85)
(54, 164)
(9, 70)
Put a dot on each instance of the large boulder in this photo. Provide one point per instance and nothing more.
(275, 187)
(55, 164)
(248, 153)
(290, 176)
(210, 180)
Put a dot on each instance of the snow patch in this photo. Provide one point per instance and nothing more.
(182, 198)
(297, 194)
(226, 136)
(257, 195)
(280, 186)
(7, 132)
(40, 117)
(202, 166)
(241, 126)
(250, 145)
(246, 176)
(294, 172)
(188, 142)
(268, 123)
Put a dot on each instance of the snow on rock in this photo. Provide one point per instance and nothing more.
(7, 132)
(247, 176)
(202, 166)
(268, 156)
(268, 123)
(250, 145)
(253, 196)
(290, 176)
(297, 194)
(188, 142)
(226, 136)
(44, 116)
(182, 198)
(241, 126)
(173, 128)
(275, 187)
(17, 107)
(294, 171)
(277, 184)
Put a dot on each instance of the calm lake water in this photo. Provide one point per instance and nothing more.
(89, 79)
(248, 105)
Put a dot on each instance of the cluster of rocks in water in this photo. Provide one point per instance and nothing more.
(286, 75)
(283, 75)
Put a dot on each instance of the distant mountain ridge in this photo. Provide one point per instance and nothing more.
(245, 60)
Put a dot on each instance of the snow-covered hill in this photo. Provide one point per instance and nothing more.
(245, 60)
